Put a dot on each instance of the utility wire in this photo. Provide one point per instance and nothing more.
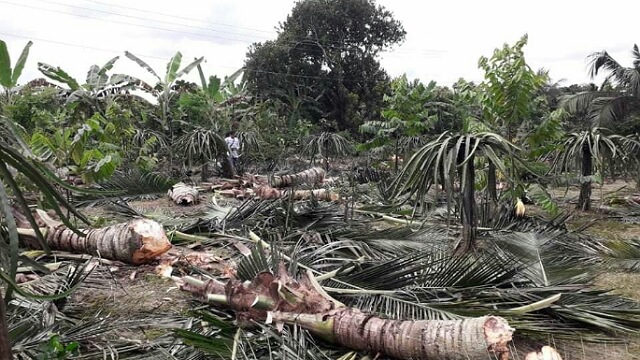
(152, 20)
(160, 58)
(180, 17)
(388, 53)
(272, 32)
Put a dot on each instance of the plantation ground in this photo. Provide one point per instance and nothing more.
(139, 292)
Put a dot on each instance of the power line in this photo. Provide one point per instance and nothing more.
(228, 25)
(120, 22)
(179, 17)
(396, 53)
(145, 18)
(160, 58)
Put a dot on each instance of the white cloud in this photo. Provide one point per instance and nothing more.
(444, 38)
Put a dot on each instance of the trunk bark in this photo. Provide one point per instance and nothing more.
(311, 176)
(5, 343)
(584, 201)
(284, 300)
(227, 167)
(267, 193)
(638, 176)
(491, 183)
(138, 241)
(204, 175)
(396, 153)
(473, 338)
(183, 194)
(468, 210)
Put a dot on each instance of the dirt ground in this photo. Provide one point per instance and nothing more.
(139, 290)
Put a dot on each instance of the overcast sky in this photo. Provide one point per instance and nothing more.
(445, 38)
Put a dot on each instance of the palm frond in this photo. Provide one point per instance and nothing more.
(127, 186)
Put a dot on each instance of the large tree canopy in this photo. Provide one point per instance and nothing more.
(326, 54)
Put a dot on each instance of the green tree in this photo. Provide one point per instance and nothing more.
(409, 112)
(329, 48)
(507, 96)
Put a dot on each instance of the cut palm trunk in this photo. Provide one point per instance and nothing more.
(266, 193)
(183, 194)
(136, 242)
(284, 300)
(310, 176)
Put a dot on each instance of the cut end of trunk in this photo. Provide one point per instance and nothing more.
(183, 194)
(498, 334)
(546, 353)
(153, 239)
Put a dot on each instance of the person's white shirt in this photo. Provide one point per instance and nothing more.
(234, 145)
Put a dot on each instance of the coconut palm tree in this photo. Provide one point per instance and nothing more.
(596, 111)
(624, 101)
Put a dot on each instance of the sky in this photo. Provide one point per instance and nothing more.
(444, 38)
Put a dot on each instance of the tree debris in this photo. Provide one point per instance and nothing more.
(310, 176)
(183, 194)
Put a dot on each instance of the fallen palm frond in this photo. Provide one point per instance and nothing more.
(269, 193)
(183, 194)
(138, 241)
(127, 186)
(281, 299)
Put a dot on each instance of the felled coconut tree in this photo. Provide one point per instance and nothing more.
(310, 176)
(136, 242)
(267, 193)
(282, 299)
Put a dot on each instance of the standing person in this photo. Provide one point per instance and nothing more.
(233, 143)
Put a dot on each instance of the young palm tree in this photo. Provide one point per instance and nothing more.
(452, 157)
(587, 151)
(202, 146)
(326, 145)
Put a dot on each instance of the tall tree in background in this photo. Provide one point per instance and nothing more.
(507, 95)
(329, 49)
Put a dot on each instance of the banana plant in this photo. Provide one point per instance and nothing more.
(9, 76)
(98, 84)
(85, 151)
(172, 74)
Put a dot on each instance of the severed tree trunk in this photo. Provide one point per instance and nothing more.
(584, 200)
(136, 242)
(5, 343)
(266, 192)
(311, 176)
(183, 194)
(472, 338)
(284, 300)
